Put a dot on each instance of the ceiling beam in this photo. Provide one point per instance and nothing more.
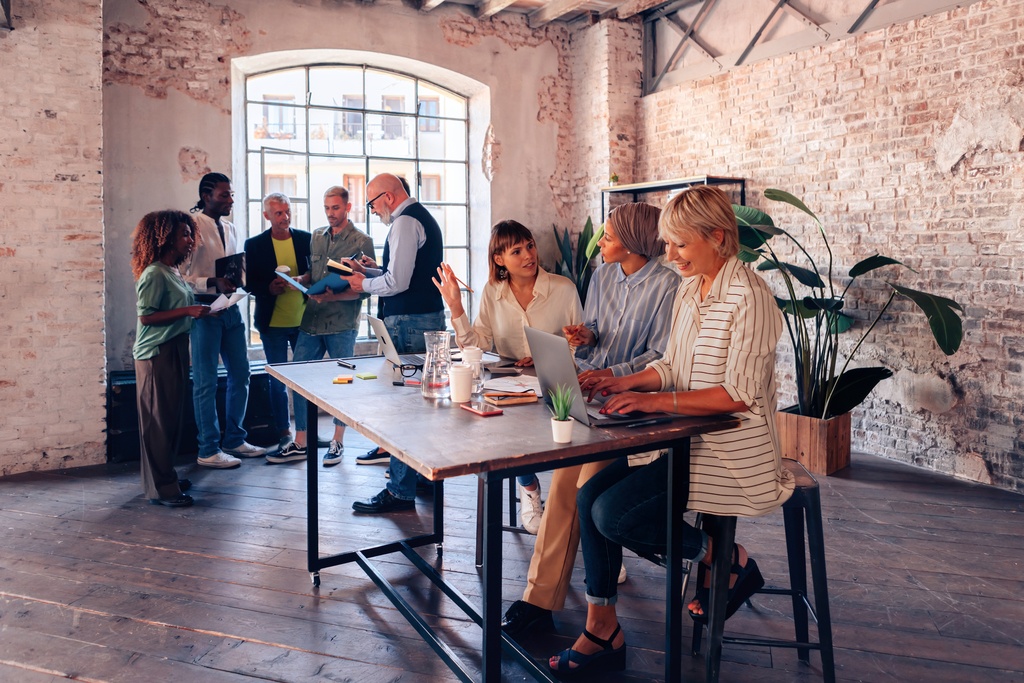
(552, 11)
(863, 17)
(631, 8)
(807, 21)
(760, 31)
(427, 5)
(489, 8)
(687, 36)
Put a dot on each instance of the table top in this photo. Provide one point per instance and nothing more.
(440, 440)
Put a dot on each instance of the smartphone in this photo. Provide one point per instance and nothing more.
(481, 408)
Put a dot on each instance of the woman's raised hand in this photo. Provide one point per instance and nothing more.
(449, 287)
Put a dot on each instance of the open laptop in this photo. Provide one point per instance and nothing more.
(408, 360)
(554, 363)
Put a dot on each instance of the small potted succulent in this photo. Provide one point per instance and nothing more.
(561, 423)
(613, 180)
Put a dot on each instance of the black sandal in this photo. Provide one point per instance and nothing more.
(610, 658)
(748, 581)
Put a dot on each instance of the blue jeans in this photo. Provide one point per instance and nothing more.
(407, 335)
(219, 336)
(276, 341)
(313, 347)
(626, 506)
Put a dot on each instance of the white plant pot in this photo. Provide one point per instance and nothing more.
(561, 430)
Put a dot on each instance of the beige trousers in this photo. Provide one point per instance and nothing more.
(554, 553)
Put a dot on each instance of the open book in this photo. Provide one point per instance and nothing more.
(338, 267)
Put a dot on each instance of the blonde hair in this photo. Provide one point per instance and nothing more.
(697, 213)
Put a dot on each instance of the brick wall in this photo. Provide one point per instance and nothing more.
(51, 260)
(905, 141)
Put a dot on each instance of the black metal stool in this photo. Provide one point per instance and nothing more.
(804, 505)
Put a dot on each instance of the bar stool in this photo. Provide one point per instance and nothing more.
(804, 505)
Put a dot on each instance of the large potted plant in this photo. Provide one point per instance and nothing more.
(816, 431)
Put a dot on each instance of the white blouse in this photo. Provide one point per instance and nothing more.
(728, 340)
(499, 325)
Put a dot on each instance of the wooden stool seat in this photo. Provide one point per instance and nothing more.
(802, 508)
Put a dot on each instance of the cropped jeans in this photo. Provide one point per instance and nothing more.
(276, 341)
(215, 337)
(407, 335)
(623, 506)
(313, 347)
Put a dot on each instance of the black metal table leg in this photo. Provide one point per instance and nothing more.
(312, 493)
(678, 497)
(491, 668)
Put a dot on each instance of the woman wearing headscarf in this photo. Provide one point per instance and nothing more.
(625, 326)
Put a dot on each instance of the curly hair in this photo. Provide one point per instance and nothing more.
(206, 185)
(154, 235)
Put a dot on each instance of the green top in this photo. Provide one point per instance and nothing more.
(288, 307)
(160, 288)
(335, 316)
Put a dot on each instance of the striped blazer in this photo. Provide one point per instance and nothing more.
(728, 340)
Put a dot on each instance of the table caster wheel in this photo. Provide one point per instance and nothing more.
(315, 576)
(440, 549)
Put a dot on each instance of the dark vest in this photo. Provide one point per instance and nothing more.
(422, 296)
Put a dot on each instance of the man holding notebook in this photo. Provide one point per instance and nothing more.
(331, 320)
(409, 303)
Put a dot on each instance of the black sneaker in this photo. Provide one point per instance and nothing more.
(375, 456)
(333, 455)
(289, 453)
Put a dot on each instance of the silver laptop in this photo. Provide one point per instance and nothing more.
(554, 363)
(387, 347)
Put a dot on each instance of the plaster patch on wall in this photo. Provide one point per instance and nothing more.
(193, 163)
(972, 466)
(491, 156)
(185, 46)
(919, 392)
(990, 118)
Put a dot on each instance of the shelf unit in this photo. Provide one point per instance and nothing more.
(637, 189)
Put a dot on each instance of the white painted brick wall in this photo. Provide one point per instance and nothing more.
(52, 387)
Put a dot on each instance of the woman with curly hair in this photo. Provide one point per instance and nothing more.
(166, 306)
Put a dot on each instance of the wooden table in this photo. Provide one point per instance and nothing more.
(439, 440)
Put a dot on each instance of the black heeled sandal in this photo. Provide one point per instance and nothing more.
(610, 658)
(748, 581)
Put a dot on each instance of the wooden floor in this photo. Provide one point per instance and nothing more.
(926, 577)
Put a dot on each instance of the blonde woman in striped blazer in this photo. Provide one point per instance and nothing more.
(720, 359)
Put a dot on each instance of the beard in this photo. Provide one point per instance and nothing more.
(384, 213)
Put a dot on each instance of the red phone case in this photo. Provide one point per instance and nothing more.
(481, 412)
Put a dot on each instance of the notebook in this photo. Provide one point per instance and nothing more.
(408, 360)
(554, 364)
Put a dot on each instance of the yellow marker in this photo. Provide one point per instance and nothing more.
(366, 375)
(343, 379)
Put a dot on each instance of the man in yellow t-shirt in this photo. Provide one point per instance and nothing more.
(279, 308)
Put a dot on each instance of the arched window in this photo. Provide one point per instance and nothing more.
(312, 127)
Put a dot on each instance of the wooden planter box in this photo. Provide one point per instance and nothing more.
(822, 446)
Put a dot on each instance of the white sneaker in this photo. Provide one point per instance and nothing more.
(530, 509)
(247, 450)
(219, 461)
(622, 573)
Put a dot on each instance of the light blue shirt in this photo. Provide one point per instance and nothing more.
(630, 315)
(405, 239)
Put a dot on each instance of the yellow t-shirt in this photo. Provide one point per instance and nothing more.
(288, 307)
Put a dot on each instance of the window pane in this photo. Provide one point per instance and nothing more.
(300, 216)
(278, 86)
(447, 181)
(327, 172)
(256, 221)
(449, 104)
(329, 85)
(287, 171)
(277, 126)
(335, 132)
(458, 260)
(390, 92)
(441, 139)
(389, 136)
(454, 224)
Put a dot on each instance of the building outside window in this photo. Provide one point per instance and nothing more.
(312, 127)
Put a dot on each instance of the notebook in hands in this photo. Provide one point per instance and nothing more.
(407, 360)
(554, 363)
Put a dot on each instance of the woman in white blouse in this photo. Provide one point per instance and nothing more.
(720, 359)
(518, 293)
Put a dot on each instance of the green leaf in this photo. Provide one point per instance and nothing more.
(840, 323)
(749, 216)
(873, 262)
(797, 309)
(947, 327)
(783, 196)
(592, 244)
(804, 276)
(853, 386)
(581, 247)
(827, 304)
(564, 265)
(748, 255)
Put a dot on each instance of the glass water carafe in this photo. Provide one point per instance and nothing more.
(436, 364)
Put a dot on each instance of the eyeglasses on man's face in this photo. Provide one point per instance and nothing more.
(369, 204)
